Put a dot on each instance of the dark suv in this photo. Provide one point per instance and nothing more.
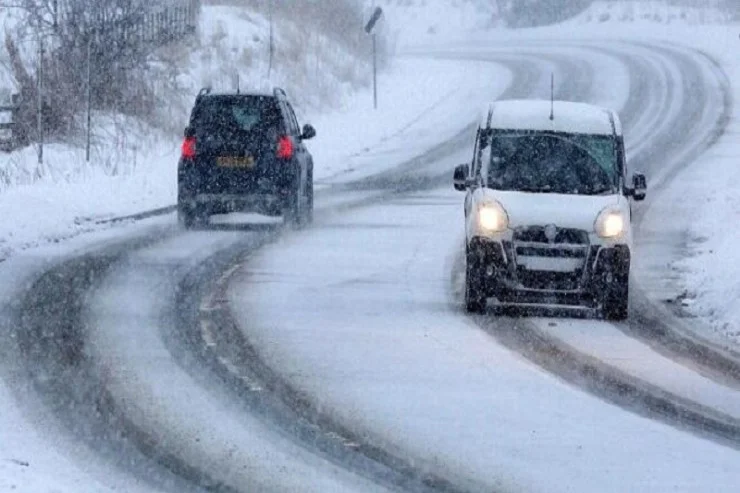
(244, 152)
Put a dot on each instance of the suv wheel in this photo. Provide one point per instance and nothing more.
(309, 199)
(186, 216)
(292, 210)
(616, 299)
(475, 297)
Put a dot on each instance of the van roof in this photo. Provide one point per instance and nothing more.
(569, 117)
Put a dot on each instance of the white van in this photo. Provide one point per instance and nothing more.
(548, 209)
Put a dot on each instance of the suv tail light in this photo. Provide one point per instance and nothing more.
(285, 148)
(188, 148)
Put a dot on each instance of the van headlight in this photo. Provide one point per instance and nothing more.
(610, 223)
(492, 218)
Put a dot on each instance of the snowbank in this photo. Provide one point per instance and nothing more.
(709, 273)
(652, 11)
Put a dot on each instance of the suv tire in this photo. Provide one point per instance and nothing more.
(475, 296)
(292, 210)
(186, 216)
(616, 299)
(308, 219)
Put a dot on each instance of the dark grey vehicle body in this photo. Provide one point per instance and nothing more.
(245, 152)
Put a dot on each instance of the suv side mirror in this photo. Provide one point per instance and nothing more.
(460, 178)
(639, 187)
(189, 132)
(308, 132)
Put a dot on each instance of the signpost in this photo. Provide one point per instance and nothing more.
(369, 28)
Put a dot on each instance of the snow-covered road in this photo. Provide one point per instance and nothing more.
(379, 341)
(337, 359)
(369, 328)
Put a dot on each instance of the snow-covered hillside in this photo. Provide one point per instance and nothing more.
(409, 22)
(653, 11)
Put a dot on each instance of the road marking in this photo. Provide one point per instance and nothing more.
(206, 331)
(234, 370)
(332, 435)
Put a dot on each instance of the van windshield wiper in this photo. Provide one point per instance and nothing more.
(602, 191)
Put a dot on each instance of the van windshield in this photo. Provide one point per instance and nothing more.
(575, 164)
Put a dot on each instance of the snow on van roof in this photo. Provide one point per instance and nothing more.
(578, 118)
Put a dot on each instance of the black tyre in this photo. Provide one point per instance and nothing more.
(475, 294)
(309, 199)
(186, 216)
(292, 210)
(615, 304)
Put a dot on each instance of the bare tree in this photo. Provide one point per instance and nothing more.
(115, 37)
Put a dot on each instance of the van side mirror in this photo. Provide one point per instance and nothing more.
(639, 187)
(189, 132)
(460, 178)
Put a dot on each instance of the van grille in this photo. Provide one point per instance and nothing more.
(536, 234)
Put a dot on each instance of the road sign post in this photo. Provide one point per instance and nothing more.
(369, 29)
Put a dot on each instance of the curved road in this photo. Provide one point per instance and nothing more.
(221, 360)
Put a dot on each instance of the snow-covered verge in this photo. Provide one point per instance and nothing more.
(706, 206)
(653, 11)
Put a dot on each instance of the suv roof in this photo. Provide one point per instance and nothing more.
(275, 92)
(569, 117)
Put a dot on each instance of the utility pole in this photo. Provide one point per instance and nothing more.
(89, 98)
(40, 101)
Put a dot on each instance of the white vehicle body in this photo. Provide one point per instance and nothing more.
(569, 238)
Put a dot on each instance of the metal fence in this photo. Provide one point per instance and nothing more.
(164, 23)
(169, 22)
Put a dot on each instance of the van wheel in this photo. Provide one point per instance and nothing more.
(615, 305)
(475, 296)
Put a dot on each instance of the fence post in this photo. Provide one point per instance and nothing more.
(40, 102)
(89, 99)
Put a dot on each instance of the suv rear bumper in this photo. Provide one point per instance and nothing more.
(208, 190)
(261, 203)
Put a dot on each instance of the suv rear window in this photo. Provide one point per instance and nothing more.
(236, 115)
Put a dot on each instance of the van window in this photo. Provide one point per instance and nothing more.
(553, 163)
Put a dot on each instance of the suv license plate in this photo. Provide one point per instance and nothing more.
(235, 162)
